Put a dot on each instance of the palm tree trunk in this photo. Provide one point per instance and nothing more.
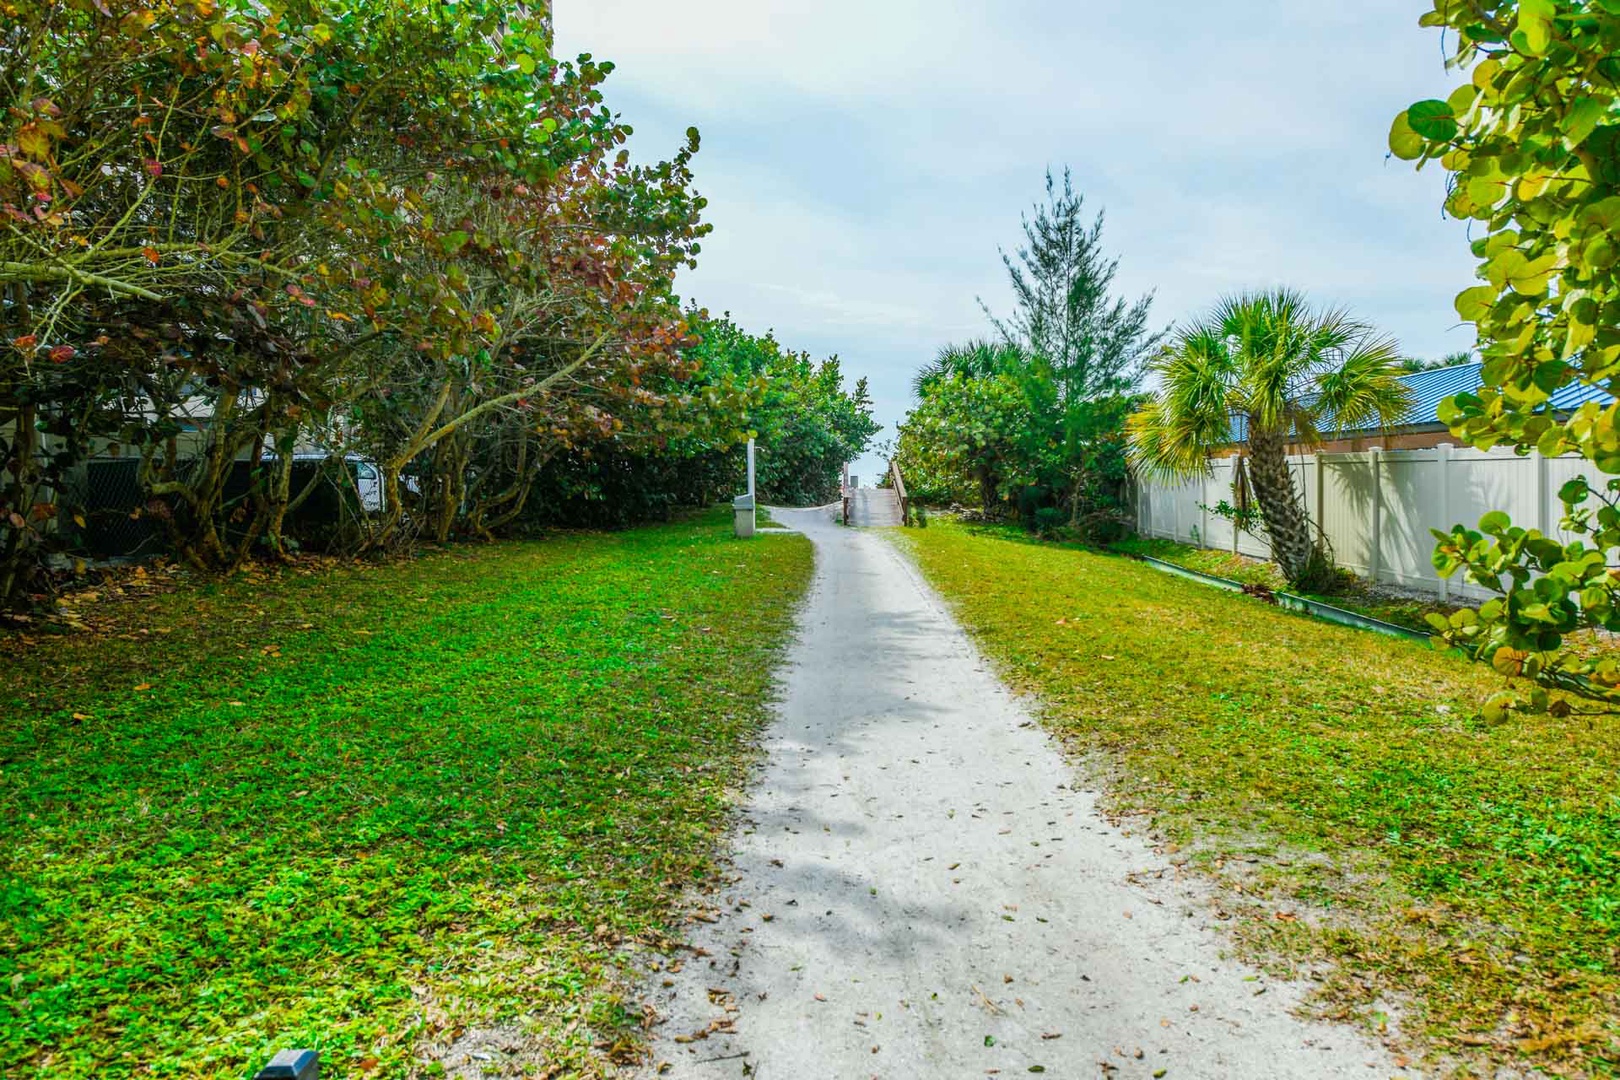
(1286, 524)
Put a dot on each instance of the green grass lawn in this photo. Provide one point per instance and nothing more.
(367, 809)
(1357, 596)
(1360, 818)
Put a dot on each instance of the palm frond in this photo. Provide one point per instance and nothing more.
(1287, 368)
(1173, 433)
(1363, 388)
(975, 359)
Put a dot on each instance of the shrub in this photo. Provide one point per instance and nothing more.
(1031, 498)
(1102, 528)
(1049, 519)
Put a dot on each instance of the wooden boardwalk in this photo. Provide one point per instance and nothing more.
(871, 507)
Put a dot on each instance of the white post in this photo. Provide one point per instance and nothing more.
(1375, 558)
(1443, 458)
(1203, 510)
(1237, 463)
(751, 468)
(1543, 517)
(1321, 497)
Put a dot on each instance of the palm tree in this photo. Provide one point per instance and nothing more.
(977, 359)
(1265, 369)
(1454, 359)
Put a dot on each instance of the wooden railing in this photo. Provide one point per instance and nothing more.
(899, 483)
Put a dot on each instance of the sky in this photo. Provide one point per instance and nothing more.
(865, 159)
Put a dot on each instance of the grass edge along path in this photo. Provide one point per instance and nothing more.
(1364, 825)
(1402, 607)
(367, 810)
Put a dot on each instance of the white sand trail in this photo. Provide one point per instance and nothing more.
(925, 888)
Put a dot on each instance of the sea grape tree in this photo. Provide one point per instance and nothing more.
(1531, 142)
(232, 232)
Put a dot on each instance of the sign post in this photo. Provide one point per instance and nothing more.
(742, 507)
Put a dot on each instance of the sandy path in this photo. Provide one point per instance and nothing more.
(921, 892)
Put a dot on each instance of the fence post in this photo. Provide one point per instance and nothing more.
(1236, 477)
(1543, 518)
(1203, 510)
(1443, 459)
(1321, 496)
(1375, 557)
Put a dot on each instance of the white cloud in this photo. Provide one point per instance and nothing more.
(864, 158)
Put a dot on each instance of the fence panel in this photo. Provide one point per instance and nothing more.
(1410, 500)
(1346, 513)
(1217, 488)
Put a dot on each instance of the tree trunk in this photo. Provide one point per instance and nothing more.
(277, 495)
(18, 542)
(1292, 545)
(987, 490)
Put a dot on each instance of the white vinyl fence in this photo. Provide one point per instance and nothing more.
(1377, 507)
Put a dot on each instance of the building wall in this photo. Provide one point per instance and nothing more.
(1424, 438)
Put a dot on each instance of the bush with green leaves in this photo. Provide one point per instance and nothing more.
(236, 237)
(805, 422)
(1531, 140)
(1042, 406)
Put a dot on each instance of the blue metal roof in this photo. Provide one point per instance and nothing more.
(1431, 387)
(1576, 394)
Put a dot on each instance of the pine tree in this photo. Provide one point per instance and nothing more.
(1091, 345)
(1095, 343)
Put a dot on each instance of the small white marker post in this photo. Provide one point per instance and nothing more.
(742, 507)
